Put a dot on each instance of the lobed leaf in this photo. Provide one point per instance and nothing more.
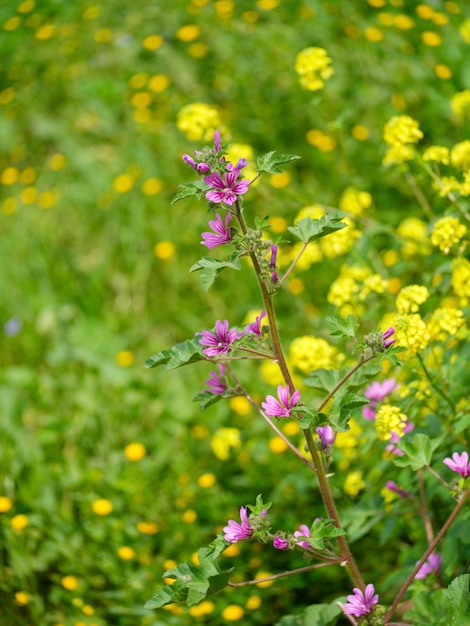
(341, 327)
(269, 162)
(418, 452)
(180, 354)
(308, 229)
(458, 601)
(210, 268)
(195, 188)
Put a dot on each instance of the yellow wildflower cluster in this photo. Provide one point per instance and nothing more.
(310, 256)
(461, 277)
(411, 332)
(199, 121)
(437, 154)
(341, 241)
(237, 151)
(399, 132)
(352, 287)
(309, 353)
(313, 65)
(410, 297)
(446, 321)
(460, 155)
(222, 440)
(465, 30)
(447, 232)
(389, 419)
(355, 201)
(460, 103)
(414, 233)
(353, 484)
(348, 442)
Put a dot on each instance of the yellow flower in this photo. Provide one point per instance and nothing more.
(266, 583)
(19, 522)
(373, 34)
(410, 297)
(446, 321)
(360, 132)
(10, 176)
(396, 155)
(240, 405)
(232, 613)
(443, 71)
(313, 67)
(461, 277)
(460, 103)
(431, 39)
(147, 528)
(189, 516)
(411, 332)
(158, 83)
(206, 480)
(389, 419)
(341, 241)
(199, 121)
(126, 553)
(152, 42)
(253, 603)
(123, 183)
(223, 440)
(5, 504)
(21, 598)
(414, 233)
(320, 140)
(353, 484)
(447, 232)
(438, 154)
(402, 129)
(102, 506)
(203, 608)
(277, 445)
(465, 30)
(188, 33)
(460, 155)
(135, 451)
(70, 583)
(125, 358)
(308, 353)
(164, 250)
(355, 201)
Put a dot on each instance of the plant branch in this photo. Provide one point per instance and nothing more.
(291, 572)
(426, 555)
(343, 380)
(293, 264)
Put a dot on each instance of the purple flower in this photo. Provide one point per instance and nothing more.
(361, 603)
(303, 532)
(459, 464)
(433, 564)
(234, 531)
(226, 189)
(221, 234)
(280, 544)
(202, 168)
(392, 486)
(12, 327)
(387, 342)
(215, 383)
(379, 391)
(255, 327)
(283, 406)
(274, 277)
(368, 412)
(272, 262)
(217, 143)
(219, 342)
(327, 436)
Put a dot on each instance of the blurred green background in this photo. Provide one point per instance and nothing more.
(94, 273)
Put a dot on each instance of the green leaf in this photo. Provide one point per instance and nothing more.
(207, 399)
(341, 327)
(183, 353)
(259, 506)
(418, 452)
(262, 223)
(314, 615)
(308, 230)
(308, 417)
(326, 380)
(428, 609)
(458, 601)
(196, 188)
(270, 162)
(343, 405)
(193, 583)
(210, 268)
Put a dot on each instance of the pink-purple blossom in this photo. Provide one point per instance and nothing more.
(387, 342)
(216, 382)
(433, 564)
(280, 544)
(459, 463)
(221, 234)
(220, 341)
(392, 486)
(234, 531)
(361, 603)
(303, 532)
(283, 406)
(377, 392)
(255, 327)
(327, 436)
(225, 189)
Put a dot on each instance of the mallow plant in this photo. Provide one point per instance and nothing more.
(358, 388)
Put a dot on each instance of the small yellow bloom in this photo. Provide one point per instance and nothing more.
(199, 121)
(460, 155)
(138, 80)
(188, 33)
(360, 132)
(411, 333)
(125, 358)
(402, 129)
(223, 440)
(389, 419)
(45, 32)
(91, 13)
(26, 7)
(147, 528)
(21, 598)
(164, 250)
(70, 583)
(233, 613)
(353, 484)
(278, 181)
(404, 22)
(189, 516)
(266, 583)
(232, 550)
(10, 176)
(447, 232)
(141, 99)
(253, 603)
(240, 405)
(158, 83)
(152, 42)
(198, 50)
(203, 608)
(126, 553)
(438, 154)
(465, 30)
(461, 277)
(431, 39)
(313, 65)
(460, 103)
(87, 609)
(410, 297)
(268, 5)
(5, 504)
(373, 34)
(277, 445)
(123, 183)
(102, 506)
(135, 451)
(206, 480)
(19, 522)
(443, 71)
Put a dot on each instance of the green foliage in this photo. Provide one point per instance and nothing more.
(269, 163)
(316, 615)
(195, 188)
(417, 452)
(308, 230)
(210, 268)
(443, 607)
(180, 354)
(342, 327)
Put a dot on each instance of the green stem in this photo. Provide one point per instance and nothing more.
(293, 264)
(291, 572)
(324, 485)
(343, 380)
(429, 551)
(439, 390)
